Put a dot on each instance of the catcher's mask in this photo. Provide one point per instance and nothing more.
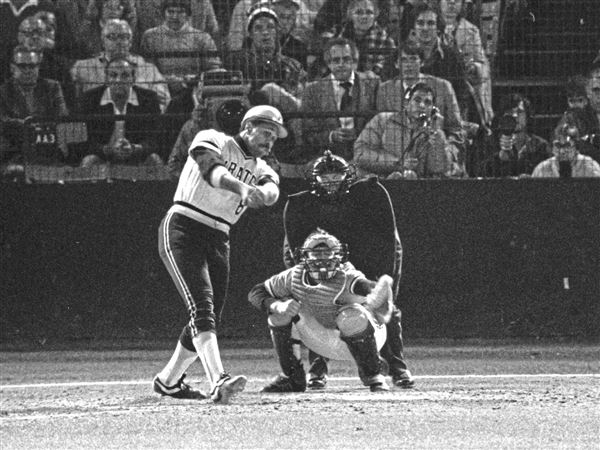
(330, 175)
(322, 255)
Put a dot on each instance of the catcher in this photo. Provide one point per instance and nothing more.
(331, 307)
(360, 214)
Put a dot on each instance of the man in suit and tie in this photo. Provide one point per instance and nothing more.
(343, 90)
(128, 141)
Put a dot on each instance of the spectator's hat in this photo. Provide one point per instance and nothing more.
(185, 4)
(266, 113)
(260, 11)
(23, 55)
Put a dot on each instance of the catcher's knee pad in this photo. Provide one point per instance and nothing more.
(353, 320)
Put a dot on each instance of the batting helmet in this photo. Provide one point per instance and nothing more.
(229, 116)
(330, 175)
(322, 254)
(268, 114)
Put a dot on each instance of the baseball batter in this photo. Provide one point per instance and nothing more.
(222, 177)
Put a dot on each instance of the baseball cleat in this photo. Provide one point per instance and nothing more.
(317, 382)
(178, 390)
(403, 380)
(283, 383)
(379, 387)
(227, 387)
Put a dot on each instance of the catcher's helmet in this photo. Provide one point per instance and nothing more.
(322, 254)
(330, 175)
(229, 116)
(266, 113)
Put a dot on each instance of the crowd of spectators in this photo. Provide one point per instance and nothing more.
(401, 88)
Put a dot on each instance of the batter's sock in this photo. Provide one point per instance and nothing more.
(181, 359)
(208, 350)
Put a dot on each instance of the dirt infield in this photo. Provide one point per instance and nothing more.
(475, 396)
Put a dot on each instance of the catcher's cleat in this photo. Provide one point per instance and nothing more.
(379, 387)
(179, 390)
(283, 383)
(316, 382)
(227, 387)
(403, 380)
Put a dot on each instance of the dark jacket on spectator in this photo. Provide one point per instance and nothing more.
(138, 130)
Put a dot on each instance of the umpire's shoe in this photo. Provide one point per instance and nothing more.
(283, 383)
(317, 382)
(227, 387)
(178, 390)
(403, 379)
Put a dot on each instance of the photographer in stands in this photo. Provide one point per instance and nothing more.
(513, 150)
(567, 162)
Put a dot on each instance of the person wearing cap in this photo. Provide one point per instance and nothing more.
(175, 34)
(567, 162)
(117, 40)
(238, 30)
(23, 97)
(222, 177)
(261, 60)
(129, 141)
(278, 77)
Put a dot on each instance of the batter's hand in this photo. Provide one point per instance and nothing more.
(288, 308)
(255, 198)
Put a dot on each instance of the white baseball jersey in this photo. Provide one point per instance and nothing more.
(196, 198)
(321, 301)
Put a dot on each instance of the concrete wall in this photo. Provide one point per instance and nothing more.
(483, 258)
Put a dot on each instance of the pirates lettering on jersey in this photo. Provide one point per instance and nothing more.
(241, 173)
(196, 198)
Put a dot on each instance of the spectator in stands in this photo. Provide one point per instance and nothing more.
(38, 35)
(581, 113)
(393, 23)
(238, 31)
(440, 60)
(129, 141)
(466, 39)
(332, 15)
(117, 37)
(97, 14)
(408, 143)
(23, 97)
(344, 90)
(12, 12)
(176, 34)
(370, 38)
(567, 162)
(391, 94)
(514, 150)
(287, 12)
(274, 76)
(282, 78)
(202, 16)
